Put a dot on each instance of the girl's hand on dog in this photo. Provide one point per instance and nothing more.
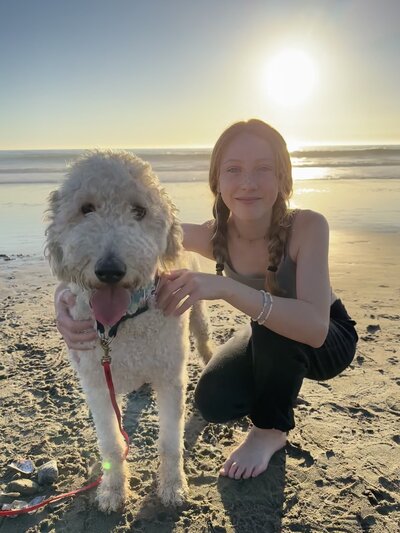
(180, 289)
(78, 334)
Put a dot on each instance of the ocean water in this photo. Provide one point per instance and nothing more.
(187, 165)
(354, 186)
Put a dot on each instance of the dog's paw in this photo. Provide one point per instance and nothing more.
(173, 494)
(111, 498)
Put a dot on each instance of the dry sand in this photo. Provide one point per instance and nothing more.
(339, 471)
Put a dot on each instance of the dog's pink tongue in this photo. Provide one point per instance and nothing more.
(110, 303)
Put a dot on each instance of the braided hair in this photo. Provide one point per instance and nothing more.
(281, 214)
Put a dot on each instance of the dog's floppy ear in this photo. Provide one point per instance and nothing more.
(174, 243)
(53, 251)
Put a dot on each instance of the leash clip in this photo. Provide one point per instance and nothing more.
(105, 344)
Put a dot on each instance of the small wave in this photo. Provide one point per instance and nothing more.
(351, 151)
(32, 181)
(186, 165)
(338, 164)
(47, 170)
(349, 178)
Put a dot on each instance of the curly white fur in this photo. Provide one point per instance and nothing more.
(150, 348)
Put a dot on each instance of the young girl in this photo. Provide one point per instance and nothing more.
(275, 262)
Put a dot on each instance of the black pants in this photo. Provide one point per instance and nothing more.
(259, 373)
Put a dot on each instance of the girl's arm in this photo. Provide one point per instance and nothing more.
(197, 238)
(305, 319)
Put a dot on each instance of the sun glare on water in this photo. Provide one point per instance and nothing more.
(290, 77)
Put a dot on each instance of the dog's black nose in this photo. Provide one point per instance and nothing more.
(110, 269)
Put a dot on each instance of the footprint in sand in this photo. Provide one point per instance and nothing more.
(298, 453)
(368, 338)
(380, 499)
(373, 328)
(393, 405)
(326, 385)
(362, 413)
(390, 317)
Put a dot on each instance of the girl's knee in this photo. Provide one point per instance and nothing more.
(206, 398)
(217, 402)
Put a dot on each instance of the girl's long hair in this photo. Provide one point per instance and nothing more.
(281, 214)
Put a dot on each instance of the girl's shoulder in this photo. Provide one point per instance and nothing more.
(307, 225)
(304, 218)
(197, 238)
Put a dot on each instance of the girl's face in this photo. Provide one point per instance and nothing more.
(247, 180)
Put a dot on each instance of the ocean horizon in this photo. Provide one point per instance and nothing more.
(357, 187)
(191, 164)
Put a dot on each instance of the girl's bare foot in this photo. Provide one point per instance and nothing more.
(252, 456)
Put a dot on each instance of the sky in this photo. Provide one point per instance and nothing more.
(166, 73)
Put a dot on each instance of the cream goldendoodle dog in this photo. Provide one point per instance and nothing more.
(112, 230)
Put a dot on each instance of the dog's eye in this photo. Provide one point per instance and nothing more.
(138, 211)
(88, 208)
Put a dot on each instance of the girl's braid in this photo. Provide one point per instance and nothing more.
(277, 238)
(219, 239)
(280, 224)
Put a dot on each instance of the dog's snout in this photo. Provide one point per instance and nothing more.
(110, 269)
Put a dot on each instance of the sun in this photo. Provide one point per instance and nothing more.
(290, 77)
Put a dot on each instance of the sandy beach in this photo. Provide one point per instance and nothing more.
(162, 81)
(339, 471)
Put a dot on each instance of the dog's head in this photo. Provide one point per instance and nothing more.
(111, 222)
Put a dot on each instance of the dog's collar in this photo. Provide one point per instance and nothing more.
(140, 300)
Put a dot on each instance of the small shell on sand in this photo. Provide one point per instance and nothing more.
(25, 487)
(20, 504)
(47, 473)
(13, 506)
(35, 501)
(6, 496)
(25, 466)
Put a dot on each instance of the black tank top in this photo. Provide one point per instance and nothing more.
(286, 274)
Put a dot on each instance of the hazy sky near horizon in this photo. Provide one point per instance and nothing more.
(127, 73)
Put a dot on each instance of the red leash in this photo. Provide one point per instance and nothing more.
(107, 372)
(106, 361)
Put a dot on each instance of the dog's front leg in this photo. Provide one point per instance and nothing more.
(113, 489)
(172, 486)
